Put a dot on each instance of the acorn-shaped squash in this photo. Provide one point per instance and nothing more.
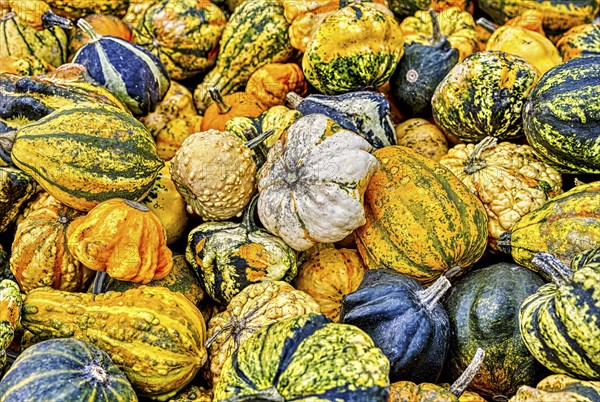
(365, 56)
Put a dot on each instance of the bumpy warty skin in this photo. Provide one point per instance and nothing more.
(511, 181)
(215, 173)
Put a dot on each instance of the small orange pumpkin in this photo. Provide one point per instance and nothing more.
(123, 238)
(237, 104)
(271, 83)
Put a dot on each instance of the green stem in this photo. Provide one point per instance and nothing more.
(294, 99)
(100, 281)
(437, 31)
(137, 205)
(460, 385)
(259, 139)
(487, 24)
(216, 96)
(553, 267)
(89, 30)
(49, 19)
(474, 163)
(429, 297)
(248, 217)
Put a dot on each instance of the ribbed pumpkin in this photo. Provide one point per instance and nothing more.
(16, 187)
(256, 34)
(184, 34)
(40, 255)
(483, 311)
(154, 335)
(563, 226)
(103, 24)
(257, 306)
(136, 76)
(81, 152)
(558, 323)
(65, 369)
(561, 116)
(329, 275)
(508, 178)
(483, 96)
(559, 388)
(123, 238)
(420, 219)
(224, 108)
(272, 82)
(307, 357)
(19, 39)
(364, 57)
(423, 137)
(580, 41)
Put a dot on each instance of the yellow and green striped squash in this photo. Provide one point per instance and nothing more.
(184, 34)
(561, 116)
(88, 154)
(559, 388)
(559, 323)
(19, 39)
(354, 48)
(256, 34)
(74, 9)
(421, 220)
(306, 358)
(483, 96)
(563, 226)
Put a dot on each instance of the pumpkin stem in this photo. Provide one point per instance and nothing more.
(248, 217)
(294, 99)
(460, 385)
(137, 205)
(7, 141)
(486, 24)
(89, 30)
(474, 163)
(256, 141)
(430, 296)
(100, 281)
(437, 31)
(265, 395)
(50, 19)
(553, 267)
(216, 96)
(260, 149)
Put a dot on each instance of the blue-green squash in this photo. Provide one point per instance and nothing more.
(136, 76)
(365, 113)
(561, 116)
(559, 322)
(404, 320)
(483, 311)
(305, 358)
(483, 96)
(16, 187)
(65, 370)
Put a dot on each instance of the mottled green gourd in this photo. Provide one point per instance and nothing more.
(11, 303)
(16, 187)
(230, 256)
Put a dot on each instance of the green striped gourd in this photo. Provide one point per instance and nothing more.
(256, 34)
(88, 154)
(559, 323)
(561, 116)
(16, 187)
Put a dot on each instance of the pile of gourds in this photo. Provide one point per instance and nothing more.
(282, 200)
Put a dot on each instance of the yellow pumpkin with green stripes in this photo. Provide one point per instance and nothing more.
(355, 47)
(88, 154)
(559, 388)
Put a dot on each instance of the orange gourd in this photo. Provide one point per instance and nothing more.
(224, 108)
(271, 83)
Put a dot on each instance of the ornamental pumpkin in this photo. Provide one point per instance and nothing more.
(81, 151)
(395, 234)
(483, 96)
(155, 336)
(558, 323)
(19, 39)
(404, 320)
(224, 108)
(40, 254)
(532, 46)
(16, 187)
(366, 113)
(508, 178)
(184, 34)
(561, 116)
(311, 187)
(457, 25)
(272, 82)
(103, 24)
(256, 34)
(11, 303)
(35, 13)
(580, 41)
(559, 388)
(563, 226)
(24, 65)
(65, 369)
(256, 306)
(404, 9)
(123, 238)
(140, 83)
(364, 57)
(483, 311)
(74, 9)
(308, 357)
(423, 137)
(329, 275)
(215, 173)
(230, 256)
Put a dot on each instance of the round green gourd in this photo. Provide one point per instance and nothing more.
(483, 312)
(305, 358)
(65, 370)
